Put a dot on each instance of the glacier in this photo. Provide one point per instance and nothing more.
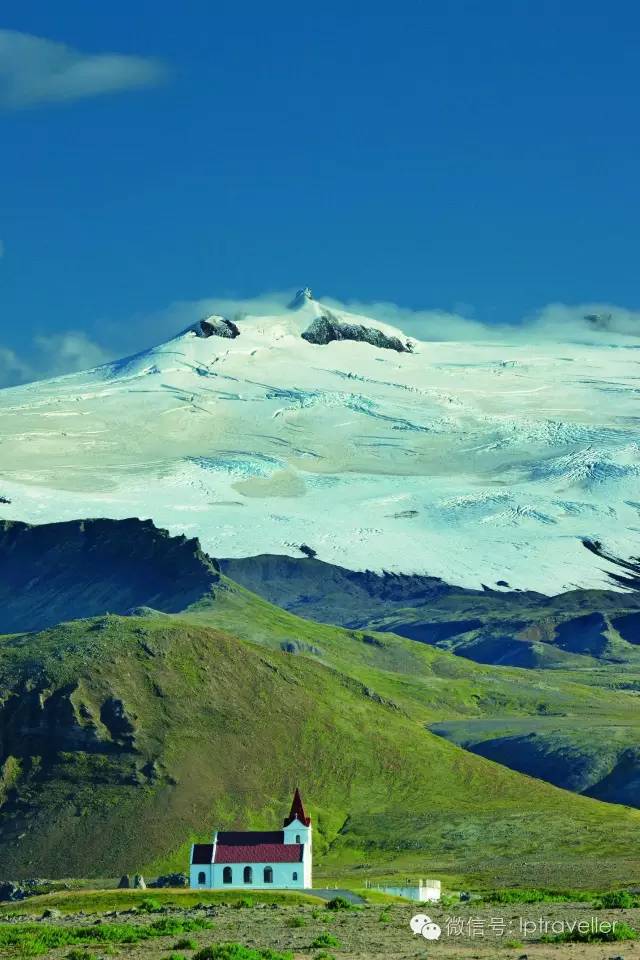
(482, 463)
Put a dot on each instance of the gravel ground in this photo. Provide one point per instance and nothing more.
(469, 931)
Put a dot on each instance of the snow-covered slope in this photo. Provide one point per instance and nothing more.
(479, 463)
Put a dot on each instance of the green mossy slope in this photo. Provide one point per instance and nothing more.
(126, 737)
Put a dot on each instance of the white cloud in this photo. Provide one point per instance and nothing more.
(51, 356)
(68, 352)
(12, 369)
(592, 321)
(36, 70)
(153, 328)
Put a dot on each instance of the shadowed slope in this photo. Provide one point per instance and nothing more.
(82, 568)
(503, 627)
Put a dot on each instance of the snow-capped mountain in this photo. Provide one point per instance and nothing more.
(483, 463)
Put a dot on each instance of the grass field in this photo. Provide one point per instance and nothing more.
(104, 901)
(114, 925)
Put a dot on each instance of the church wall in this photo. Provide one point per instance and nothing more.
(194, 875)
(282, 876)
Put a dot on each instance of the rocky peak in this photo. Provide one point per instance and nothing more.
(216, 326)
(327, 328)
(302, 297)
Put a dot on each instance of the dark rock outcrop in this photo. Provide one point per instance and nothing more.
(114, 716)
(326, 329)
(215, 326)
(170, 880)
(628, 626)
(629, 575)
(437, 631)
(584, 634)
(38, 721)
(298, 646)
(14, 891)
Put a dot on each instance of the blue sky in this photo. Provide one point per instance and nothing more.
(473, 157)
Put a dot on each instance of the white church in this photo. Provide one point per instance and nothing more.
(276, 859)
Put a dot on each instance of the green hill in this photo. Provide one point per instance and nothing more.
(126, 737)
(576, 728)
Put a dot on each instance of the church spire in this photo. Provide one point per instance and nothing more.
(297, 811)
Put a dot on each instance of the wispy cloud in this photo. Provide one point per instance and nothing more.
(37, 70)
(51, 356)
(561, 321)
(12, 368)
(69, 351)
(557, 321)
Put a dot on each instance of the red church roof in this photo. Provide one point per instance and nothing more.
(259, 853)
(297, 811)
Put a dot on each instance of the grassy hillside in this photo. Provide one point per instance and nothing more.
(124, 738)
(575, 728)
(498, 626)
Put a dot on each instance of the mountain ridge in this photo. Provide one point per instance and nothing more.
(55, 572)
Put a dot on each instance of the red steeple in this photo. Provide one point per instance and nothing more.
(297, 811)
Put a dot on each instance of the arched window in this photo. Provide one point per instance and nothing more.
(268, 875)
(227, 875)
(295, 875)
(202, 877)
(248, 875)
(298, 840)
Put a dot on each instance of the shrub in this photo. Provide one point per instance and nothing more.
(325, 940)
(185, 944)
(448, 900)
(617, 900)
(296, 922)
(385, 917)
(243, 902)
(534, 896)
(172, 926)
(34, 940)
(150, 905)
(234, 951)
(339, 903)
(621, 931)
